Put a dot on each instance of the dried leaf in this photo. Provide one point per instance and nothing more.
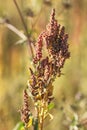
(30, 122)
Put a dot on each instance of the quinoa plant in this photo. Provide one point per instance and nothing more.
(47, 66)
(48, 55)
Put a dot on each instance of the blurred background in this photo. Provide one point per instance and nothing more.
(70, 89)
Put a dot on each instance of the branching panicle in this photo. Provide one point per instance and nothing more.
(47, 68)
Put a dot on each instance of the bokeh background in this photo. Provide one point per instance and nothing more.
(70, 89)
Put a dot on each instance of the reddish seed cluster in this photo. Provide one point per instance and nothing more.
(56, 42)
(55, 39)
(25, 112)
(52, 29)
(38, 49)
(47, 67)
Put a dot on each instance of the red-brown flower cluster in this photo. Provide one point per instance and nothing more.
(55, 40)
(48, 66)
(25, 112)
(38, 49)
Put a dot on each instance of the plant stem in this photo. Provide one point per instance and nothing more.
(40, 115)
(25, 27)
(22, 19)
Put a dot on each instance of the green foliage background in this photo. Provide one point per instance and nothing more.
(70, 89)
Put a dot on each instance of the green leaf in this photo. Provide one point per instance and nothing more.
(51, 106)
(19, 126)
